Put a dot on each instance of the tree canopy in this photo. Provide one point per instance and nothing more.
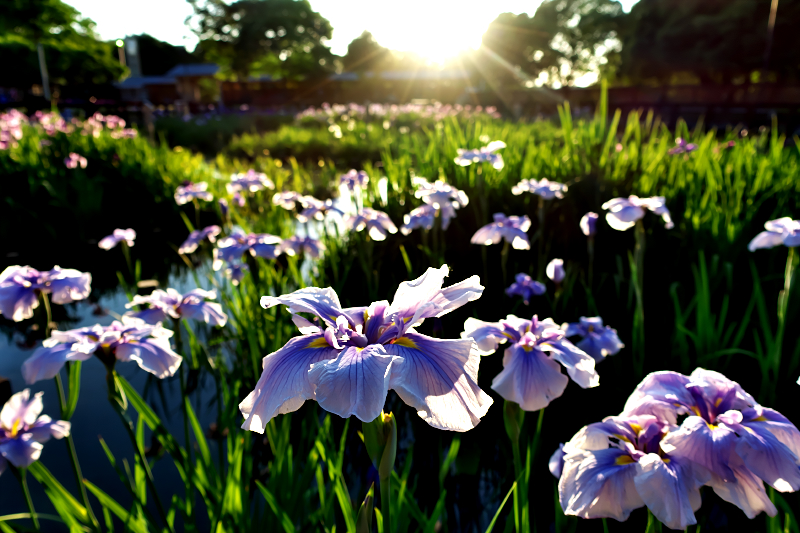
(157, 57)
(281, 38)
(364, 54)
(73, 52)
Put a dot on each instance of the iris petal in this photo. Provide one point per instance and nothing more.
(284, 386)
(45, 363)
(153, 355)
(356, 382)
(529, 378)
(439, 378)
(669, 489)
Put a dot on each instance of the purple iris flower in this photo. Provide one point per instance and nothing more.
(119, 235)
(230, 249)
(420, 217)
(589, 223)
(129, 340)
(598, 340)
(297, 245)
(531, 373)
(444, 199)
(526, 287)
(378, 223)
(682, 147)
(22, 430)
(236, 271)
(780, 231)
(739, 442)
(545, 188)
(354, 179)
(171, 303)
(555, 271)
(624, 212)
(485, 154)
(20, 288)
(348, 359)
(316, 209)
(74, 160)
(615, 466)
(188, 191)
(512, 229)
(251, 181)
(197, 236)
(287, 199)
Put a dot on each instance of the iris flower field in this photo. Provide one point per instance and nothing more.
(399, 318)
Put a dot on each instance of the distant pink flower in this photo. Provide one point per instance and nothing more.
(73, 160)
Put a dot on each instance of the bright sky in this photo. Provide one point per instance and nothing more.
(435, 29)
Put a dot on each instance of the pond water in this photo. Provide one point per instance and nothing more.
(94, 417)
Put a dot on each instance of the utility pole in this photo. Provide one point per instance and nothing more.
(43, 70)
(120, 44)
(773, 13)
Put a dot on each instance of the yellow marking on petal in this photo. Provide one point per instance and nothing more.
(15, 428)
(719, 401)
(625, 460)
(319, 342)
(406, 342)
(696, 411)
(622, 437)
(760, 419)
(666, 460)
(508, 335)
(636, 428)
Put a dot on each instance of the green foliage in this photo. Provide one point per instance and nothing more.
(73, 52)
(281, 38)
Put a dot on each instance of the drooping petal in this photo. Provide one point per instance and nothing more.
(68, 285)
(529, 378)
(45, 427)
(556, 462)
(439, 378)
(356, 382)
(765, 456)
(209, 312)
(670, 489)
(625, 218)
(284, 386)
(579, 364)
(153, 355)
(765, 239)
(662, 394)
(744, 490)
(761, 418)
(323, 303)
(21, 452)
(46, 362)
(710, 448)
(599, 484)
(17, 302)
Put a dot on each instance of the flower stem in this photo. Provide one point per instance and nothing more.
(540, 260)
(187, 442)
(637, 274)
(380, 438)
(49, 314)
(513, 418)
(23, 472)
(783, 305)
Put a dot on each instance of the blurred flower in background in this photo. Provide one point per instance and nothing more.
(22, 430)
(513, 229)
(623, 213)
(120, 235)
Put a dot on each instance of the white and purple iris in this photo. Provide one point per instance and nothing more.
(623, 213)
(188, 191)
(22, 430)
(780, 231)
(250, 181)
(120, 235)
(485, 154)
(440, 199)
(739, 443)
(197, 236)
(170, 303)
(377, 223)
(513, 229)
(682, 147)
(349, 358)
(526, 287)
(20, 287)
(589, 223)
(354, 179)
(612, 467)
(544, 188)
(287, 199)
(231, 248)
(74, 160)
(307, 245)
(555, 271)
(598, 340)
(129, 340)
(531, 374)
(316, 209)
